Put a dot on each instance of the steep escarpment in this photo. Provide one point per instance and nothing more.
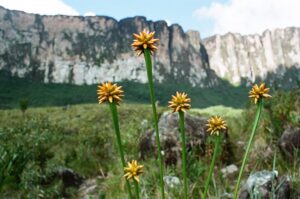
(88, 50)
(268, 56)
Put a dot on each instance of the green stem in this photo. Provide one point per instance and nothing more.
(273, 183)
(212, 164)
(152, 97)
(114, 113)
(257, 116)
(183, 146)
(136, 189)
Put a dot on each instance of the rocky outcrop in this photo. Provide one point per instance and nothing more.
(88, 50)
(268, 56)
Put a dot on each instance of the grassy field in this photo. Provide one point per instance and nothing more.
(81, 138)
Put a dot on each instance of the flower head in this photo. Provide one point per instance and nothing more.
(144, 41)
(133, 170)
(180, 102)
(109, 92)
(215, 125)
(258, 92)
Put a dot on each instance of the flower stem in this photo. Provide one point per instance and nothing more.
(136, 189)
(114, 113)
(183, 146)
(212, 164)
(152, 97)
(257, 116)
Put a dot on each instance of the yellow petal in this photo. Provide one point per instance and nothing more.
(136, 178)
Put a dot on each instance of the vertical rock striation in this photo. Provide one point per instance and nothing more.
(88, 50)
(267, 56)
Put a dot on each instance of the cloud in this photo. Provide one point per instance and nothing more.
(250, 16)
(45, 7)
(89, 14)
(168, 22)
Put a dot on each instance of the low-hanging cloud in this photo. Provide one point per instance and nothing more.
(90, 13)
(250, 16)
(46, 7)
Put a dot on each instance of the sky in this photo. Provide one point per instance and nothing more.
(209, 17)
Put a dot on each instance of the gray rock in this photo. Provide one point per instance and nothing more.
(265, 184)
(229, 171)
(289, 142)
(172, 181)
(259, 182)
(69, 177)
(196, 136)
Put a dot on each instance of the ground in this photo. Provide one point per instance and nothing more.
(81, 138)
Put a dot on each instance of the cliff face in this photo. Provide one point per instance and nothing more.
(236, 57)
(89, 50)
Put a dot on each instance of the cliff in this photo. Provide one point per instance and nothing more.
(267, 56)
(88, 50)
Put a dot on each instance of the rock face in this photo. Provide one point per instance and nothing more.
(196, 137)
(88, 50)
(267, 56)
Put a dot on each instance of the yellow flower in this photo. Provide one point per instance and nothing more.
(144, 41)
(180, 102)
(133, 170)
(216, 124)
(258, 92)
(109, 92)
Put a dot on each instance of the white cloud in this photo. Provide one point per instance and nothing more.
(168, 22)
(45, 7)
(89, 14)
(250, 16)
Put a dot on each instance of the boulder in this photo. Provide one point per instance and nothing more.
(69, 177)
(263, 150)
(263, 184)
(289, 142)
(196, 136)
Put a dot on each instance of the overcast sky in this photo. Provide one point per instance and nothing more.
(207, 16)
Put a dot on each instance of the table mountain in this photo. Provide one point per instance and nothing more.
(88, 50)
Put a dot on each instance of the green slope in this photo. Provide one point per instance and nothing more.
(12, 89)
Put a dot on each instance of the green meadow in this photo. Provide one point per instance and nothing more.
(81, 137)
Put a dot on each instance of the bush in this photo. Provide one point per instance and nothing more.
(23, 105)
